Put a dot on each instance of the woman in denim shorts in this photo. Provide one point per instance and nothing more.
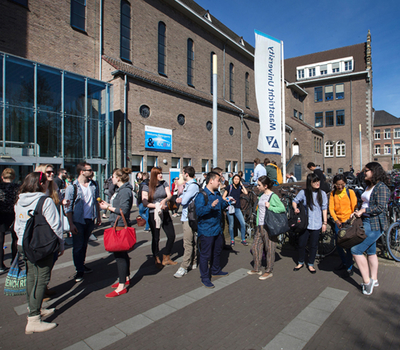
(373, 214)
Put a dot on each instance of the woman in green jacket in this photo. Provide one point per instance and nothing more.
(267, 201)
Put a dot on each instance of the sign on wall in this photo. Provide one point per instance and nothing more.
(157, 139)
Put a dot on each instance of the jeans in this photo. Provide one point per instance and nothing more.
(144, 213)
(80, 242)
(313, 246)
(346, 257)
(369, 244)
(210, 251)
(37, 278)
(231, 220)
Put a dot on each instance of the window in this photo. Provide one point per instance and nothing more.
(231, 81)
(329, 171)
(315, 144)
(311, 72)
(386, 149)
(377, 150)
(348, 66)
(211, 73)
(329, 149)
(249, 134)
(329, 118)
(228, 166)
(377, 134)
(181, 119)
(396, 149)
(318, 94)
(190, 61)
(324, 69)
(235, 166)
(187, 162)
(125, 45)
(175, 162)
(151, 162)
(204, 165)
(339, 91)
(144, 111)
(387, 134)
(21, 2)
(396, 134)
(162, 59)
(137, 163)
(78, 14)
(231, 130)
(335, 67)
(247, 90)
(319, 119)
(300, 73)
(300, 116)
(209, 125)
(340, 117)
(329, 93)
(294, 113)
(340, 149)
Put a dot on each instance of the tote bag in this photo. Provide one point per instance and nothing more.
(275, 223)
(15, 280)
(119, 240)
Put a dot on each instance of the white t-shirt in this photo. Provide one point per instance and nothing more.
(87, 202)
(366, 195)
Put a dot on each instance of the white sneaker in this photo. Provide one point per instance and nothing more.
(376, 283)
(92, 237)
(180, 273)
(194, 266)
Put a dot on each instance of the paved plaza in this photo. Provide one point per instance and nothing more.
(291, 310)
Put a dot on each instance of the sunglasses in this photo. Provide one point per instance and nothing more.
(50, 172)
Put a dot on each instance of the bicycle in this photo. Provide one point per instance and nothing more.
(248, 205)
(391, 240)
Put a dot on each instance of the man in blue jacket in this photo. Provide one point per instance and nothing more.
(209, 229)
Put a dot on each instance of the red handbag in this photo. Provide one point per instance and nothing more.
(119, 239)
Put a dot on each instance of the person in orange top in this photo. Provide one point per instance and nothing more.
(342, 204)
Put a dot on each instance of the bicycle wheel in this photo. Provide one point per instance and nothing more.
(393, 240)
(327, 242)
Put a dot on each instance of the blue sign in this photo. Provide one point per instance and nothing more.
(158, 139)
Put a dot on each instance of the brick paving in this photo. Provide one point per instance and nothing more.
(246, 314)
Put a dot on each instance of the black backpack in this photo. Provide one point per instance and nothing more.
(192, 215)
(298, 222)
(39, 239)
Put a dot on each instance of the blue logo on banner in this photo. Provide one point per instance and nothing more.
(269, 139)
(275, 145)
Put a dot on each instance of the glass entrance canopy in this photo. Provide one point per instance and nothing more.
(48, 115)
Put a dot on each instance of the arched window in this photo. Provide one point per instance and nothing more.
(247, 90)
(231, 81)
(162, 59)
(211, 72)
(329, 149)
(295, 148)
(190, 61)
(340, 149)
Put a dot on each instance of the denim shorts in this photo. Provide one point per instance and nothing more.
(369, 244)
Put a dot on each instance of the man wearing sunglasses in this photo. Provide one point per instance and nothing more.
(81, 214)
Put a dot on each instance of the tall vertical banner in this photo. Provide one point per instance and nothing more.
(267, 71)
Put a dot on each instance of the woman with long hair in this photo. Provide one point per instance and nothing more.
(33, 188)
(373, 214)
(316, 204)
(155, 196)
(122, 199)
(267, 201)
(233, 191)
(53, 191)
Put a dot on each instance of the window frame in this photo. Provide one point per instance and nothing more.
(377, 134)
(340, 116)
(387, 134)
(328, 149)
(317, 93)
(328, 95)
(231, 82)
(377, 150)
(396, 133)
(387, 149)
(331, 117)
(320, 118)
(162, 48)
(339, 95)
(340, 149)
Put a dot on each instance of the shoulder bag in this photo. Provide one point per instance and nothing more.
(275, 223)
(351, 233)
(119, 239)
(16, 279)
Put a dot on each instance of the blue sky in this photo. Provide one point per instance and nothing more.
(311, 26)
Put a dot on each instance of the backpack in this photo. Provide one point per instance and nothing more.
(39, 240)
(192, 216)
(298, 222)
(357, 193)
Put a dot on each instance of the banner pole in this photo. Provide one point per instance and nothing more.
(283, 159)
(215, 117)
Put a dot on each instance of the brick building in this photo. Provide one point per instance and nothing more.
(386, 139)
(154, 58)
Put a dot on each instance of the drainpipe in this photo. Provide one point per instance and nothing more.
(125, 112)
(101, 39)
(351, 122)
(223, 95)
(241, 131)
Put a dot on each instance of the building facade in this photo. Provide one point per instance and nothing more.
(154, 59)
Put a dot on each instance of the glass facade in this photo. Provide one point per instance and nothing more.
(48, 115)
